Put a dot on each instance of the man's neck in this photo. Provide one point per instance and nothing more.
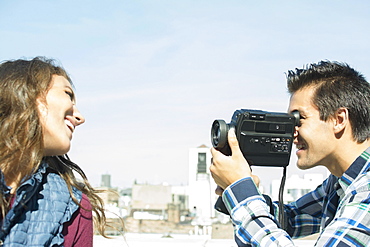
(346, 155)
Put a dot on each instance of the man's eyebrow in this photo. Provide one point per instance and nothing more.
(300, 111)
(292, 110)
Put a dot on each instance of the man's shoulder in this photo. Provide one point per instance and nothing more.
(361, 184)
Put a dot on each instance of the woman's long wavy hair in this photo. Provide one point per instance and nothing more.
(22, 83)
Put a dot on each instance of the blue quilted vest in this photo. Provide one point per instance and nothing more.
(41, 207)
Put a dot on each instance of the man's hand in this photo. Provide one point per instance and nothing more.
(226, 170)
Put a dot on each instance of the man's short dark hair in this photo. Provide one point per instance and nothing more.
(336, 85)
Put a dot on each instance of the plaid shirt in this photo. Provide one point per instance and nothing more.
(339, 208)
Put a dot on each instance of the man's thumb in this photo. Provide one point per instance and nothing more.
(233, 141)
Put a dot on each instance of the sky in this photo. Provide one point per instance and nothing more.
(152, 75)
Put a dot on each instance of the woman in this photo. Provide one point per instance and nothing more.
(43, 203)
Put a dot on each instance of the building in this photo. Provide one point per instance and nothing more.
(202, 195)
(296, 186)
(105, 181)
(158, 208)
(150, 201)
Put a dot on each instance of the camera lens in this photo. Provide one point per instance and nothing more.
(219, 134)
(216, 134)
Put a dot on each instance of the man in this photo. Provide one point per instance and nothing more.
(333, 101)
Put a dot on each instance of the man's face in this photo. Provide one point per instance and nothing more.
(314, 138)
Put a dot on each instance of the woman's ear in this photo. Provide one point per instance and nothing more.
(41, 105)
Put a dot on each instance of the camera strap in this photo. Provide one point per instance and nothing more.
(281, 200)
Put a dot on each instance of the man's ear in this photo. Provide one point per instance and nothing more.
(341, 120)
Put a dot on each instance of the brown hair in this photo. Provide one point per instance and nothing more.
(22, 82)
(336, 85)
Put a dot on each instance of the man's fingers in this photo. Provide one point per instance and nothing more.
(213, 151)
(233, 142)
(219, 191)
(256, 180)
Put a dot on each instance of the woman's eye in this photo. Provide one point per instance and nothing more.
(70, 94)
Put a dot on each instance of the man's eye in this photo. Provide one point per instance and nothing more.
(300, 120)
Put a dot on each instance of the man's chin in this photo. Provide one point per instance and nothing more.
(304, 166)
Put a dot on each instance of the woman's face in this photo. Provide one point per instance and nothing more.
(59, 117)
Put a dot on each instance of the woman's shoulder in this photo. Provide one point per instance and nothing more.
(79, 230)
(86, 207)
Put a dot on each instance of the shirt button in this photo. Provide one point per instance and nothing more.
(336, 186)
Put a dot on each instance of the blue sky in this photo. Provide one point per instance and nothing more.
(151, 76)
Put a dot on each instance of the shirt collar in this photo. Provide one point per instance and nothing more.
(360, 166)
(4, 189)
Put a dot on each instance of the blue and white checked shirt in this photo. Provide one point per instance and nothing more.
(339, 209)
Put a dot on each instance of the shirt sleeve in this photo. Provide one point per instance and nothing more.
(79, 230)
(254, 225)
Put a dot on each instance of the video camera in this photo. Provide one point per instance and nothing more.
(265, 138)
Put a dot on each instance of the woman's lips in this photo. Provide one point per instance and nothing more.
(69, 125)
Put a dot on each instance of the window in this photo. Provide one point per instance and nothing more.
(202, 164)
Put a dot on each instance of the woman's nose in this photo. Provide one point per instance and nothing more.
(78, 116)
